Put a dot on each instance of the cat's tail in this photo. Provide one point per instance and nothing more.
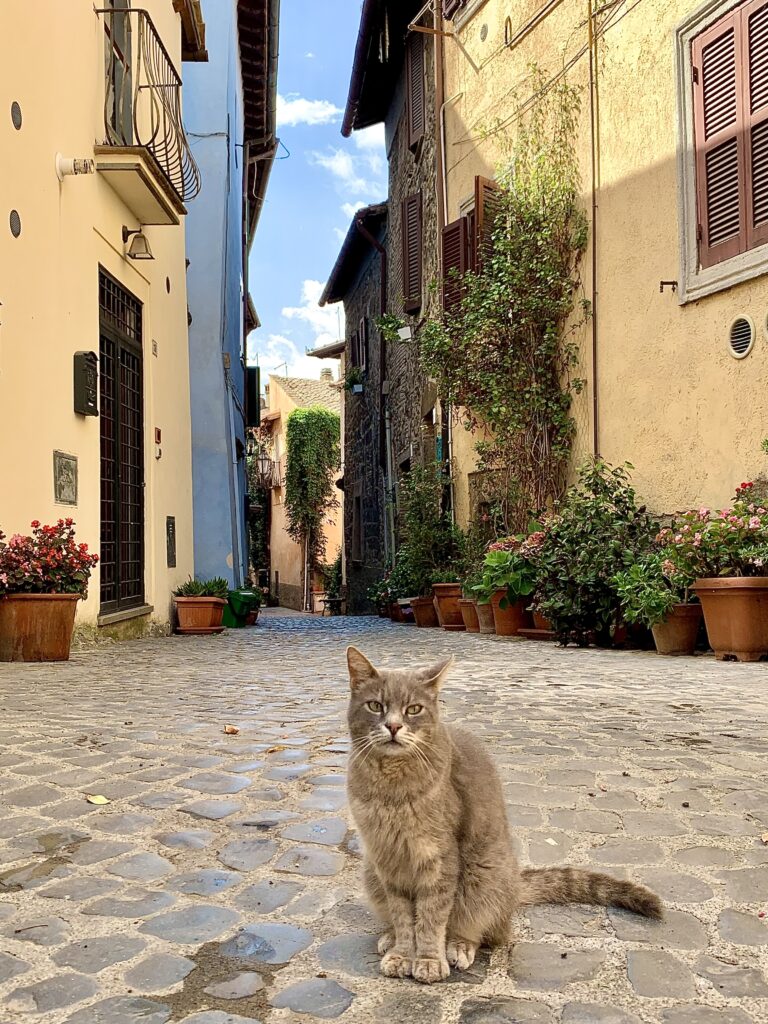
(574, 885)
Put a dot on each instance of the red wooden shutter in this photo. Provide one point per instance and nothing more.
(412, 252)
(455, 252)
(415, 91)
(450, 7)
(486, 205)
(755, 90)
(720, 164)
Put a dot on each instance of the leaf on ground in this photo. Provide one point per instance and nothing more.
(764, 838)
(231, 730)
(97, 799)
(277, 749)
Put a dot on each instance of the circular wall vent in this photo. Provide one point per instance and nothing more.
(16, 115)
(15, 222)
(742, 337)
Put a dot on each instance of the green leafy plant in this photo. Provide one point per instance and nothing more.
(432, 545)
(353, 377)
(507, 570)
(506, 354)
(332, 577)
(216, 587)
(313, 440)
(596, 532)
(647, 595)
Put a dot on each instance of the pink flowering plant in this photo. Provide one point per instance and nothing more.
(49, 561)
(704, 543)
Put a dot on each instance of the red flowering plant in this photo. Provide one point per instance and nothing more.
(730, 542)
(49, 561)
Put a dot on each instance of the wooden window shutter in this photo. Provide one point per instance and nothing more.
(720, 163)
(454, 256)
(450, 7)
(355, 348)
(363, 334)
(486, 205)
(411, 213)
(755, 91)
(415, 94)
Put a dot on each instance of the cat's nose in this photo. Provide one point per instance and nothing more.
(394, 728)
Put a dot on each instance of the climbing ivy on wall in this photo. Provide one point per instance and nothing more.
(313, 457)
(506, 353)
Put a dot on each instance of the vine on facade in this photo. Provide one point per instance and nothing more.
(313, 457)
(506, 354)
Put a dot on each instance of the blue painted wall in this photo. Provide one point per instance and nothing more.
(213, 115)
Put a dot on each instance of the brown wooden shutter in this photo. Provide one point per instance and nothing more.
(720, 163)
(411, 212)
(486, 205)
(755, 91)
(364, 342)
(355, 348)
(455, 252)
(415, 104)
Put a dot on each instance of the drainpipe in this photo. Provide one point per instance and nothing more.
(594, 118)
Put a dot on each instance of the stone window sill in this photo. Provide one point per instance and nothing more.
(123, 616)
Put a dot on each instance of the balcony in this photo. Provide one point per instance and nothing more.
(145, 155)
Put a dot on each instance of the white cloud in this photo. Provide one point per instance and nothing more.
(344, 168)
(293, 110)
(276, 350)
(309, 56)
(326, 322)
(370, 138)
(350, 209)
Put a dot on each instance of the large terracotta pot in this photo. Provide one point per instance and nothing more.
(424, 612)
(678, 633)
(447, 596)
(406, 610)
(469, 615)
(736, 615)
(510, 619)
(541, 622)
(199, 615)
(485, 618)
(37, 627)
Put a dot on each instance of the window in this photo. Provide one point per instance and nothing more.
(354, 345)
(415, 99)
(466, 242)
(451, 7)
(723, 107)
(412, 246)
(362, 340)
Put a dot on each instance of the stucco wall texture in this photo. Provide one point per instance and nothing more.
(50, 298)
(671, 398)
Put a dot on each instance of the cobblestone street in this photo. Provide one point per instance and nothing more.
(219, 885)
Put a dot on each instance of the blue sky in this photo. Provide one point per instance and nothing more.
(313, 192)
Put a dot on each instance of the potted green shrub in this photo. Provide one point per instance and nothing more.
(654, 594)
(508, 580)
(42, 577)
(354, 379)
(726, 554)
(200, 606)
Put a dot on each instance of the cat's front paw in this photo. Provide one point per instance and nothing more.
(428, 970)
(460, 954)
(395, 965)
(386, 942)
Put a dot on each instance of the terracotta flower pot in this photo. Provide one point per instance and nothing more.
(396, 613)
(37, 627)
(485, 617)
(252, 618)
(447, 596)
(469, 614)
(541, 622)
(424, 612)
(407, 610)
(199, 615)
(736, 615)
(510, 619)
(677, 634)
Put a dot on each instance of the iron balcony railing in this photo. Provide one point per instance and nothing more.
(142, 99)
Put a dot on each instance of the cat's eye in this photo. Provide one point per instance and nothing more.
(414, 709)
(374, 706)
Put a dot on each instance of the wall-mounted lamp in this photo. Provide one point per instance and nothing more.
(139, 248)
(72, 165)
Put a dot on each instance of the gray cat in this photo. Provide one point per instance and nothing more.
(427, 799)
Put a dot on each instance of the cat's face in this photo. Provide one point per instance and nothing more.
(392, 712)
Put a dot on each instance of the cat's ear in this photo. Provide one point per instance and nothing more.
(360, 669)
(434, 676)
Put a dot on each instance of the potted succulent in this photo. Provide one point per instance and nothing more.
(42, 577)
(654, 594)
(200, 606)
(726, 553)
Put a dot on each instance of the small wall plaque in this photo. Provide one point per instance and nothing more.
(86, 383)
(64, 478)
(170, 540)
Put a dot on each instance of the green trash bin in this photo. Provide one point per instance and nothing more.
(241, 603)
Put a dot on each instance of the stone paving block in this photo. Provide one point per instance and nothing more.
(266, 943)
(66, 810)
(264, 821)
(40, 931)
(121, 824)
(56, 993)
(142, 867)
(323, 831)
(98, 850)
(122, 1010)
(746, 885)
(264, 897)
(626, 851)
(706, 1015)
(322, 998)
(212, 810)
(653, 823)
(705, 856)
(205, 882)
(195, 924)
(132, 904)
(79, 889)
(731, 980)
(592, 1013)
(309, 861)
(239, 986)
(321, 781)
(353, 953)
(676, 886)
(743, 929)
(32, 796)
(12, 826)
(504, 1010)
(218, 1017)
(216, 783)
(325, 800)
(160, 801)
(192, 839)
(600, 822)
(568, 920)
(89, 956)
(659, 975)
(247, 854)
(678, 929)
(545, 966)
(159, 972)
(11, 966)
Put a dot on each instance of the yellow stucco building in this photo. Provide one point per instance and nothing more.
(673, 150)
(94, 377)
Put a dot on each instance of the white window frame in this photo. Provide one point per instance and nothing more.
(696, 283)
